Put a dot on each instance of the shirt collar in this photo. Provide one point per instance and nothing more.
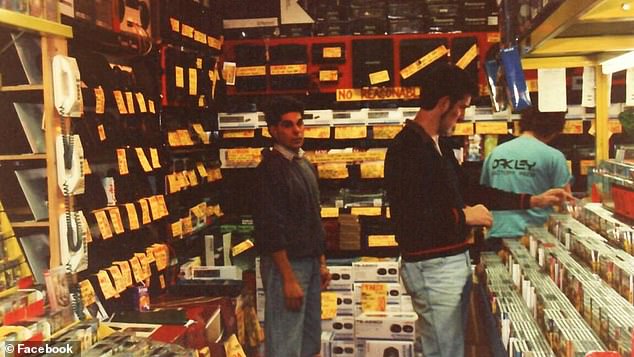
(288, 154)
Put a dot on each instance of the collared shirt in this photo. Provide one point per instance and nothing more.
(287, 153)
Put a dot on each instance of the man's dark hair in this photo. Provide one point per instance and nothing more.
(542, 124)
(445, 80)
(279, 106)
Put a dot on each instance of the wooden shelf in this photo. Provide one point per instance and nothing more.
(22, 88)
(35, 24)
(30, 224)
(19, 157)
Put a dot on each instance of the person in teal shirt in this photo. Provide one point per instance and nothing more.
(526, 164)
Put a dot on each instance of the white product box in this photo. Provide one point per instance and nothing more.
(237, 120)
(358, 310)
(378, 348)
(386, 326)
(258, 274)
(341, 326)
(341, 278)
(260, 302)
(342, 349)
(345, 303)
(326, 343)
(394, 292)
(385, 272)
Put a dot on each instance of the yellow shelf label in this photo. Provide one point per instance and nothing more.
(241, 248)
(328, 75)
(372, 170)
(118, 98)
(150, 104)
(129, 98)
(103, 224)
(251, 71)
(424, 61)
(119, 283)
(102, 132)
(88, 296)
(238, 134)
(140, 99)
(145, 211)
(126, 273)
(573, 127)
(177, 229)
(288, 69)
(492, 127)
(193, 81)
(317, 132)
(136, 269)
(329, 212)
(187, 31)
(331, 52)
(145, 164)
(379, 77)
(328, 305)
(156, 163)
(382, 241)
(175, 25)
(365, 211)
(377, 93)
(179, 75)
(385, 132)
(332, 171)
(133, 219)
(351, 132)
(115, 218)
(202, 171)
(214, 42)
(585, 166)
(465, 128)
(468, 57)
(106, 285)
(122, 162)
(100, 101)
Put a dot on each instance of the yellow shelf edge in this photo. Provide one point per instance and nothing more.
(30, 224)
(18, 157)
(31, 23)
(22, 88)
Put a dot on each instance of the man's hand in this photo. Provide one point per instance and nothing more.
(552, 197)
(293, 295)
(478, 215)
(325, 276)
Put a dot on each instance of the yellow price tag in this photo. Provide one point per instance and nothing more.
(331, 52)
(122, 162)
(384, 132)
(332, 171)
(102, 132)
(233, 347)
(187, 31)
(100, 101)
(238, 134)
(150, 104)
(328, 305)
(162, 205)
(492, 127)
(103, 224)
(106, 285)
(177, 229)
(115, 218)
(329, 212)
(88, 296)
(175, 25)
(129, 97)
(126, 273)
(188, 227)
(179, 76)
(468, 57)
(288, 69)
(328, 75)
(193, 81)
(202, 171)
(372, 170)
(145, 211)
(136, 269)
(145, 164)
(242, 247)
(118, 98)
(250, 71)
(214, 42)
(317, 132)
(382, 241)
(379, 77)
(423, 62)
(351, 132)
(465, 128)
(156, 163)
(365, 211)
(573, 127)
(141, 102)
(119, 283)
(585, 166)
(373, 297)
(133, 219)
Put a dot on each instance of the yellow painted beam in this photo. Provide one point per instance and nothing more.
(609, 10)
(565, 15)
(36, 24)
(557, 62)
(590, 44)
(602, 136)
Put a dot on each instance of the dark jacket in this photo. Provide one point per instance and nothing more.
(287, 210)
(427, 193)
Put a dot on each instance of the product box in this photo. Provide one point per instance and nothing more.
(340, 278)
(326, 343)
(386, 326)
(258, 275)
(345, 303)
(375, 272)
(341, 326)
(343, 349)
(406, 304)
(379, 348)
(260, 302)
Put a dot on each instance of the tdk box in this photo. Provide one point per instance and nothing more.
(326, 343)
(340, 277)
(386, 272)
(342, 349)
(345, 303)
(378, 348)
(386, 326)
(341, 326)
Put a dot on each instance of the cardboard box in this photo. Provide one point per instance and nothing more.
(379, 348)
(375, 272)
(341, 278)
(341, 326)
(386, 325)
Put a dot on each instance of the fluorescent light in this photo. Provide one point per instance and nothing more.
(618, 63)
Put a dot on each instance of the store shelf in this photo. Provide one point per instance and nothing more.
(35, 24)
(30, 224)
(22, 88)
(579, 33)
(20, 157)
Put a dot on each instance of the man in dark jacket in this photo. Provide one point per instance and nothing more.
(431, 213)
(290, 237)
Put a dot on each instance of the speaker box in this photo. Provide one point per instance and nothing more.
(460, 46)
(412, 50)
(133, 16)
(369, 57)
(105, 13)
(249, 56)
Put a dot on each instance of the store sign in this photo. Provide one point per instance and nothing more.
(377, 93)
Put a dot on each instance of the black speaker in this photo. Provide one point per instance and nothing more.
(412, 50)
(285, 55)
(250, 56)
(369, 57)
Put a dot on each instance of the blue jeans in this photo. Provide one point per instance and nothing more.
(440, 290)
(292, 333)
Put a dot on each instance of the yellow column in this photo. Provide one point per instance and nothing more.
(602, 138)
